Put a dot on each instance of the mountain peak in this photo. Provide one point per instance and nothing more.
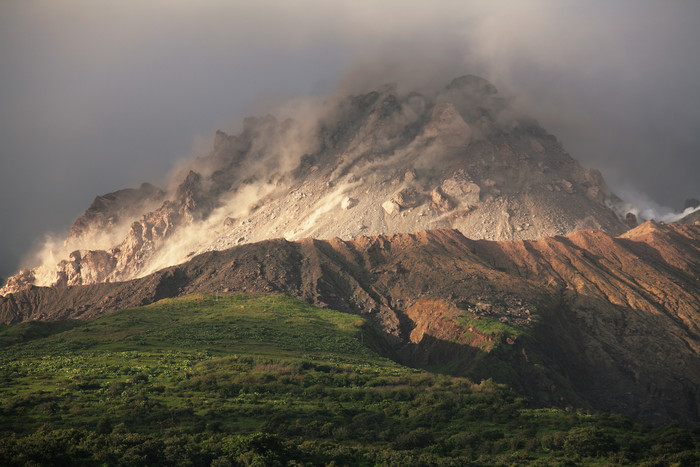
(473, 85)
(377, 163)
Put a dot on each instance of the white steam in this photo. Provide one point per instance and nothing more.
(195, 238)
(277, 147)
(645, 208)
(57, 247)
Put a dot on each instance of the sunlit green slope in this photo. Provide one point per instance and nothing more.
(265, 380)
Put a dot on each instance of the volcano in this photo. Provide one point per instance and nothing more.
(460, 229)
(378, 163)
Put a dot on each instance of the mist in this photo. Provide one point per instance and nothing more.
(99, 96)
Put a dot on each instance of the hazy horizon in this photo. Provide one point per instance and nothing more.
(99, 97)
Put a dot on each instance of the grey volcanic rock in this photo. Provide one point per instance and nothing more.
(20, 281)
(109, 210)
(378, 163)
(614, 321)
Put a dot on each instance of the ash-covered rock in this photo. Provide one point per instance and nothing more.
(377, 163)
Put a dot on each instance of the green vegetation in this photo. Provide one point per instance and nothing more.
(269, 380)
(489, 326)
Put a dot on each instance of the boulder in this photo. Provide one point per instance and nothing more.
(462, 190)
(348, 203)
(440, 201)
(407, 198)
(391, 207)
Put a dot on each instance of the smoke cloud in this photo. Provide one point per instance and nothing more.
(98, 96)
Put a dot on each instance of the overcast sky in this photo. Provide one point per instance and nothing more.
(98, 95)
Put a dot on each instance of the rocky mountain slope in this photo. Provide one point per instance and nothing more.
(374, 164)
(588, 319)
(692, 218)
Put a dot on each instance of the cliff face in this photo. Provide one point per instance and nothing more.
(379, 163)
(587, 319)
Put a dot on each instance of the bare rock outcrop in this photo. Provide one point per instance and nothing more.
(441, 202)
(348, 203)
(408, 198)
(108, 211)
(391, 207)
(460, 187)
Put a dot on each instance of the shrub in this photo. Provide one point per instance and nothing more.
(589, 442)
(256, 449)
(418, 438)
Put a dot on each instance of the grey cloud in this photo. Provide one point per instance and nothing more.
(97, 96)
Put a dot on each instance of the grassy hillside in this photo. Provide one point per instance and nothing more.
(269, 380)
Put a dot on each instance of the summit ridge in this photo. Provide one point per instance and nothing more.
(377, 163)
